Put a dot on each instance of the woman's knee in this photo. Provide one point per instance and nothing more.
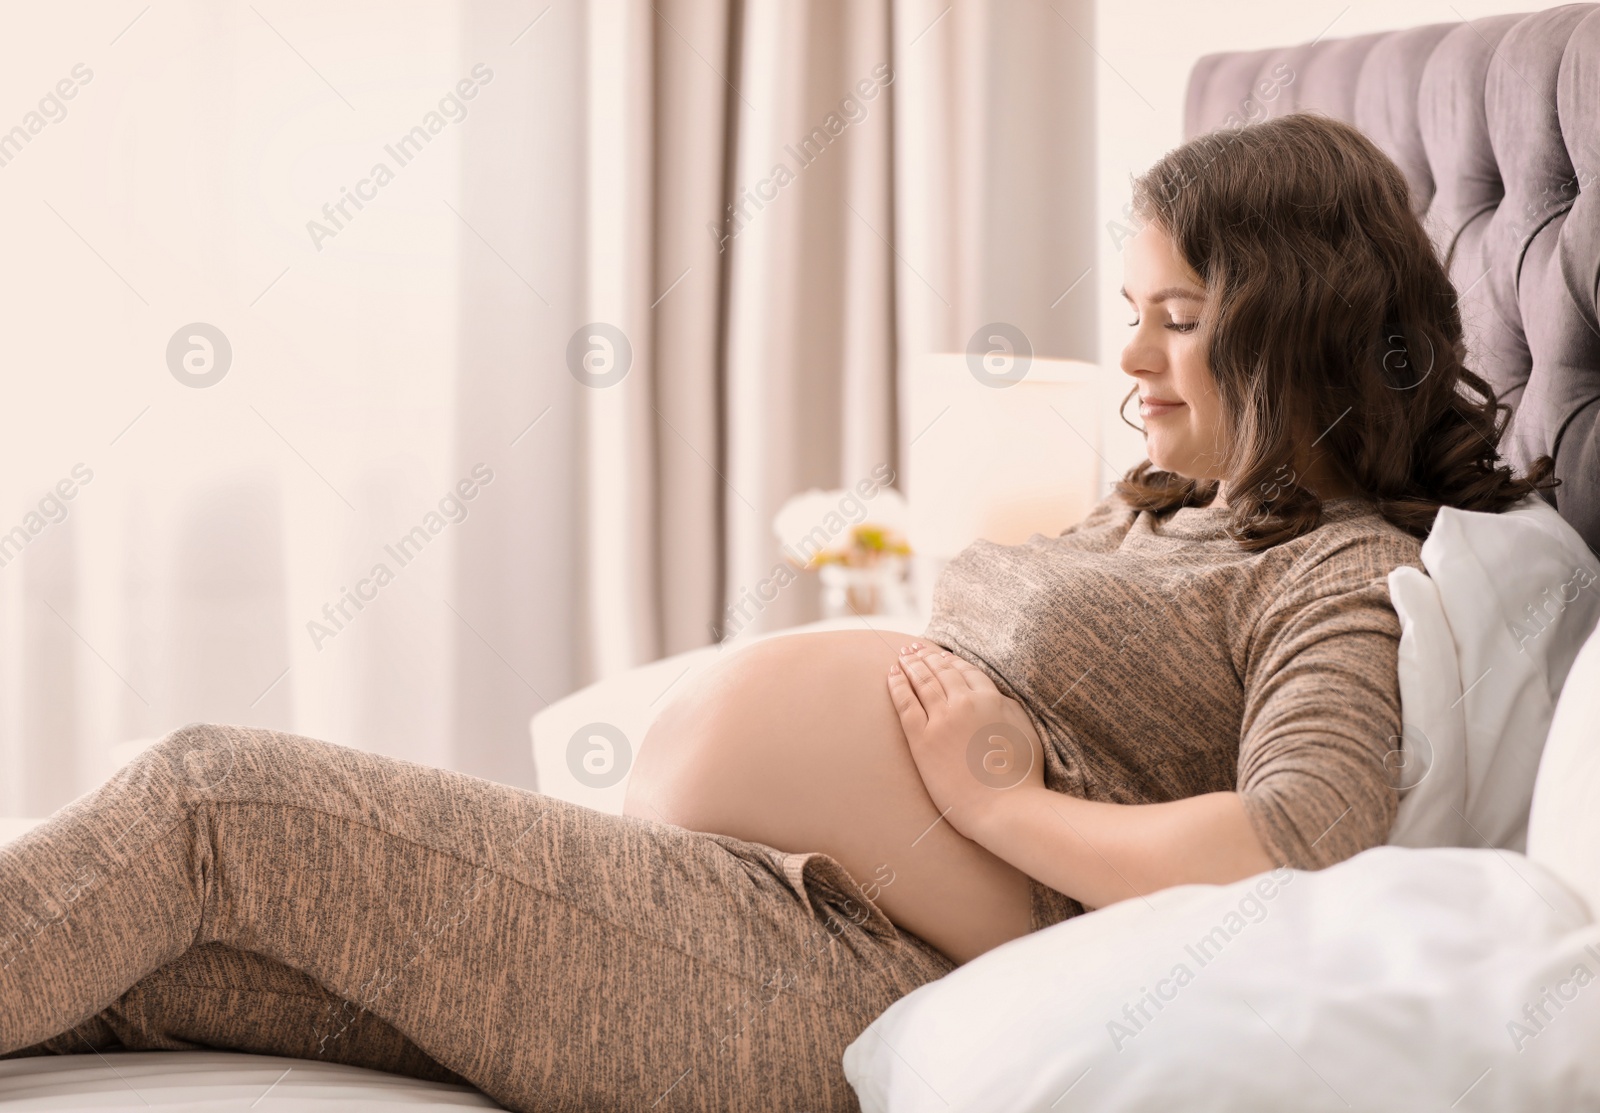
(212, 763)
(194, 759)
(205, 762)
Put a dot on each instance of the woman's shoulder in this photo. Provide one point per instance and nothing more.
(1332, 577)
(1353, 544)
(1359, 521)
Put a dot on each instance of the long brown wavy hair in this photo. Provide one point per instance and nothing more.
(1327, 315)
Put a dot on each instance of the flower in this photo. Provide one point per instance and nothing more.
(820, 527)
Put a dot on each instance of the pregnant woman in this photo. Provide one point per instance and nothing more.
(1194, 684)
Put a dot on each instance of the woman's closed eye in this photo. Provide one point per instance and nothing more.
(1175, 326)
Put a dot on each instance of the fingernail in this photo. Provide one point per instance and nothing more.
(946, 653)
(904, 649)
(916, 645)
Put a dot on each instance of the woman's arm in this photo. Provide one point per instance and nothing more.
(1102, 853)
(982, 763)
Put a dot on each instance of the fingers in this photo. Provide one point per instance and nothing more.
(976, 678)
(913, 716)
(943, 664)
(925, 679)
(955, 672)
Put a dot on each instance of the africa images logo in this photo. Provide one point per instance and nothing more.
(851, 110)
(451, 510)
(452, 109)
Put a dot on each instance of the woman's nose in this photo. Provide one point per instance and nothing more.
(1139, 357)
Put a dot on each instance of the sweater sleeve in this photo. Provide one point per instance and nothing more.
(1322, 708)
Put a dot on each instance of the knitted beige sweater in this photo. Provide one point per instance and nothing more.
(1159, 660)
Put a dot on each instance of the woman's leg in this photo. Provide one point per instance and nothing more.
(557, 957)
(216, 997)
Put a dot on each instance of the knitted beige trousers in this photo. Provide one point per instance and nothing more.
(258, 891)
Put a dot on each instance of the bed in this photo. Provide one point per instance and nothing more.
(218, 1080)
(1495, 122)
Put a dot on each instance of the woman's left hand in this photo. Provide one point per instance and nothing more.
(971, 744)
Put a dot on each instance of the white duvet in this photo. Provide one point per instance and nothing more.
(1400, 980)
(205, 1080)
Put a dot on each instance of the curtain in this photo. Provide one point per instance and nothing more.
(516, 412)
(785, 205)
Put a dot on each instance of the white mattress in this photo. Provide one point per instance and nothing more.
(206, 1080)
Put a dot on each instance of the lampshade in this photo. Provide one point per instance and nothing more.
(996, 459)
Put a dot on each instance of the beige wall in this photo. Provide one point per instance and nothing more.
(175, 186)
(1146, 52)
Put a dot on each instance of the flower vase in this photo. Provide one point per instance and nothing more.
(879, 588)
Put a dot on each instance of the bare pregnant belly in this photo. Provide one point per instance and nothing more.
(793, 742)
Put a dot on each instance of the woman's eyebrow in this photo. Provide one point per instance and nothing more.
(1171, 293)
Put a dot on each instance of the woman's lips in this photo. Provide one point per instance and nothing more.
(1155, 408)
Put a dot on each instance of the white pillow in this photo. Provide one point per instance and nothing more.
(1398, 980)
(1564, 828)
(1433, 728)
(1516, 595)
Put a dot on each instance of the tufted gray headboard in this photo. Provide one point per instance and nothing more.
(1496, 122)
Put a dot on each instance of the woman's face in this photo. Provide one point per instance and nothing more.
(1178, 402)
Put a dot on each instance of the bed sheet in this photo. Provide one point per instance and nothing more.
(157, 1081)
